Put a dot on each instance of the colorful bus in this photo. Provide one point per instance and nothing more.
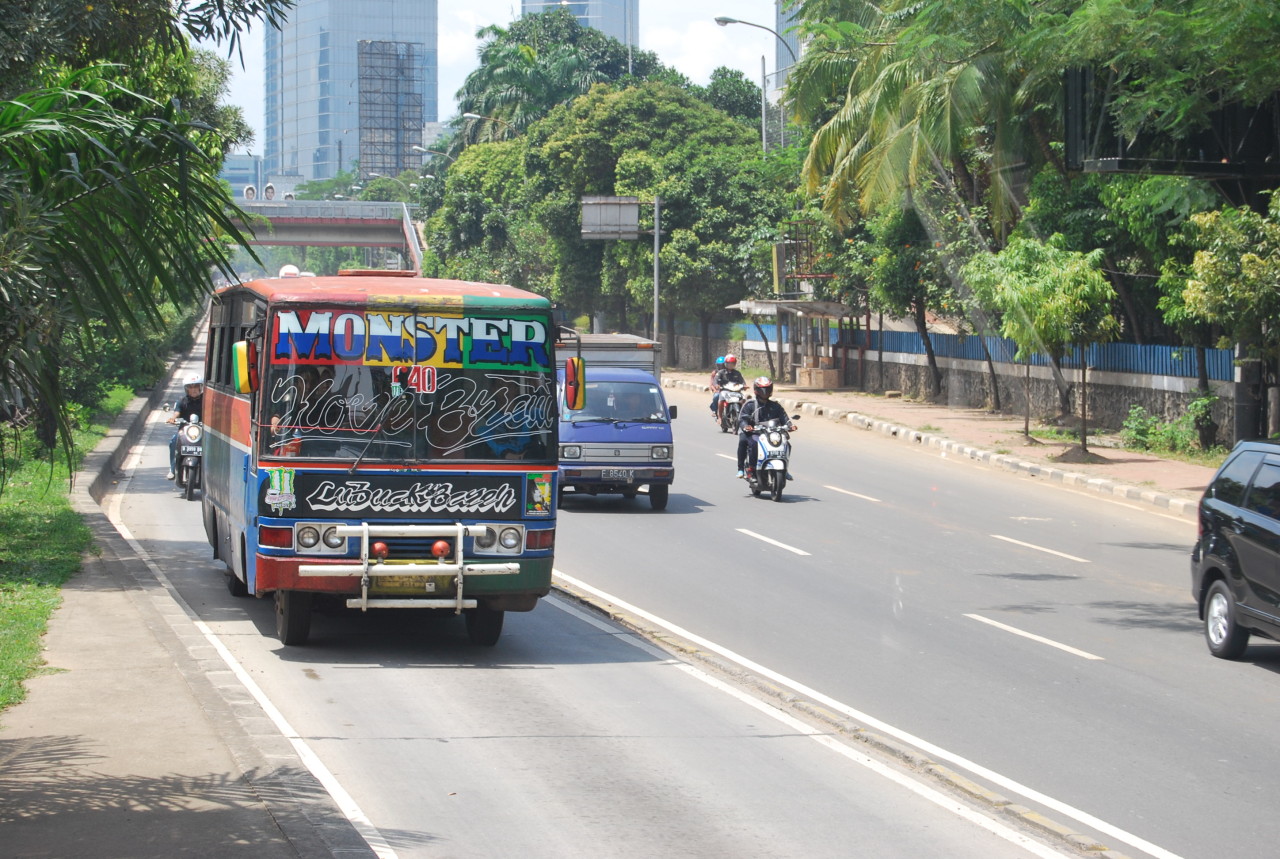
(382, 440)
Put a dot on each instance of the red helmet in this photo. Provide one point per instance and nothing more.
(730, 359)
(763, 386)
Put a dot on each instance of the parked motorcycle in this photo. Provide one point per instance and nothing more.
(768, 473)
(732, 396)
(190, 471)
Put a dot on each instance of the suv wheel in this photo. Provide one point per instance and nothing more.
(1226, 638)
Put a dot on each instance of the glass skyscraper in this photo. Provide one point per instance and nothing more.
(616, 18)
(347, 82)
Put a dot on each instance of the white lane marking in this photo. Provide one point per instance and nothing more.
(1041, 549)
(727, 456)
(772, 542)
(869, 721)
(854, 494)
(1031, 635)
(821, 737)
(345, 802)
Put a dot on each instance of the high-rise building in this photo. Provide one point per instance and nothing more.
(349, 82)
(616, 18)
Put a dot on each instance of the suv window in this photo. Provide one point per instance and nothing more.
(1231, 481)
(1264, 495)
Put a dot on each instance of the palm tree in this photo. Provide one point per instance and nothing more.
(107, 214)
(518, 84)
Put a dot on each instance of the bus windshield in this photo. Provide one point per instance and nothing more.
(406, 414)
(394, 386)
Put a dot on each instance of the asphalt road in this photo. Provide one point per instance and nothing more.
(1114, 717)
(573, 736)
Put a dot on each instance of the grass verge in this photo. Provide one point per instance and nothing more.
(42, 540)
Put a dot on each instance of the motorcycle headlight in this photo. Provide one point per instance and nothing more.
(660, 451)
(570, 451)
(775, 438)
(192, 433)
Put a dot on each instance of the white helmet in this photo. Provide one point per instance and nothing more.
(193, 380)
(289, 270)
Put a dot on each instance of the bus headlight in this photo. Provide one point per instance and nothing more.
(571, 451)
(487, 539)
(332, 540)
(498, 539)
(308, 536)
(660, 451)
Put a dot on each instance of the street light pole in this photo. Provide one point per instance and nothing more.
(657, 235)
(724, 21)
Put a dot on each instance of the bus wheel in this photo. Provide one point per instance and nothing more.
(293, 617)
(484, 625)
(235, 586)
(658, 496)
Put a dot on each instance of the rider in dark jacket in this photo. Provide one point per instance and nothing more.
(727, 373)
(762, 408)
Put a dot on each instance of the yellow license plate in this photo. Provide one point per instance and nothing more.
(417, 586)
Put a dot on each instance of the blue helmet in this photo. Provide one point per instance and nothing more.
(719, 359)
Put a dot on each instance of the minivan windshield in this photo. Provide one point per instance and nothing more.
(620, 402)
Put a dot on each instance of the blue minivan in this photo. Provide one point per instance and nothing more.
(620, 441)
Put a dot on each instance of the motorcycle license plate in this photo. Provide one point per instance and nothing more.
(187, 450)
(622, 474)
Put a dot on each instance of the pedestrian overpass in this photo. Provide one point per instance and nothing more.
(332, 223)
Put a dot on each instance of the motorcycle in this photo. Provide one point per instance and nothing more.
(768, 472)
(732, 396)
(190, 456)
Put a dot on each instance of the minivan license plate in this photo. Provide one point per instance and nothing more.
(623, 474)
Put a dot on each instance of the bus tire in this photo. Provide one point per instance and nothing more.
(484, 625)
(658, 496)
(235, 586)
(293, 617)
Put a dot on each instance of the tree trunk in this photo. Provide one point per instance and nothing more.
(922, 328)
(1084, 401)
(991, 372)
(773, 373)
(1126, 300)
(1064, 386)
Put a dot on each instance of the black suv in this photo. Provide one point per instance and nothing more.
(1235, 565)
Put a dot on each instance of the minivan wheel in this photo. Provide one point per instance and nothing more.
(1226, 638)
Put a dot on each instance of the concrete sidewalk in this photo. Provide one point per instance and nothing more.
(996, 441)
(137, 741)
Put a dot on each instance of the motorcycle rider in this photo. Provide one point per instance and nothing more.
(762, 408)
(726, 374)
(192, 403)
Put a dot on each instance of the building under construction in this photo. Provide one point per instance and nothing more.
(391, 100)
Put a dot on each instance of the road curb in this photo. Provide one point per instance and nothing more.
(785, 699)
(1161, 501)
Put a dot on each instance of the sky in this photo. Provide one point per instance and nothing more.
(683, 33)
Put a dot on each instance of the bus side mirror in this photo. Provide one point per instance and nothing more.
(575, 384)
(244, 359)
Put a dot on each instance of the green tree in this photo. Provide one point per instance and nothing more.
(109, 195)
(1050, 300)
(905, 278)
(600, 144)
(730, 91)
(535, 64)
